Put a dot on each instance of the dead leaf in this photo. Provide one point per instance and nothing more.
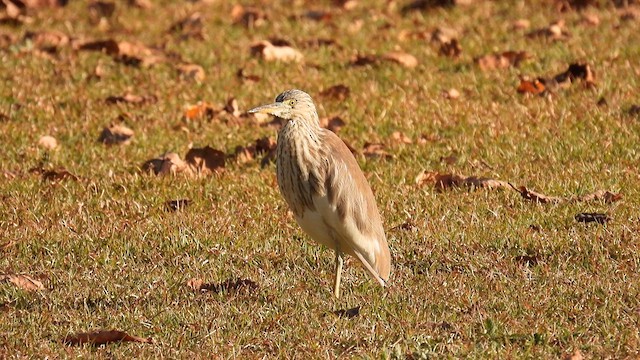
(348, 313)
(132, 99)
(167, 164)
(227, 286)
(576, 355)
(176, 205)
(400, 138)
(336, 92)
(191, 26)
(527, 260)
(442, 35)
(24, 282)
(201, 110)
(451, 49)
(402, 58)
(58, 175)
(231, 107)
(531, 86)
(115, 134)
(576, 71)
(247, 77)
(502, 60)
(445, 181)
(423, 5)
(536, 197)
(362, 60)
(204, 161)
(48, 142)
(141, 4)
(375, 150)
(521, 24)
(102, 337)
(607, 196)
(101, 9)
(555, 31)
(49, 41)
(318, 15)
(451, 94)
(334, 123)
(600, 218)
(191, 72)
(129, 53)
(591, 19)
(249, 17)
(270, 52)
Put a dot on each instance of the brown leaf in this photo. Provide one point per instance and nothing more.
(190, 27)
(607, 196)
(536, 197)
(204, 161)
(336, 92)
(402, 58)
(227, 286)
(348, 313)
(600, 218)
(201, 110)
(49, 41)
(191, 72)
(451, 94)
(102, 337)
(362, 60)
(175, 205)
(247, 77)
(24, 282)
(530, 86)
(576, 71)
(249, 17)
(520, 24)
(442, 35)
(423, 5)
(400, 138)
(231, 107)
(130, 53)
(115, 134)
(48, 142)
(270, 52)
(451, 49)
(502, 60)
(58, 175)
(101, 9)
(576, 355)
(555, 31)
(375, 150)
(132, 99)
(167, 164)
(141, 4)
(334, 123)
(527, 260)
(445, 181)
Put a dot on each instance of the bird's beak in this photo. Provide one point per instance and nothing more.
(271, 109)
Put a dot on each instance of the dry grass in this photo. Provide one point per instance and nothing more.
(482, 274)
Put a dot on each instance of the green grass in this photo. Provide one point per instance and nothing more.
(111, 257)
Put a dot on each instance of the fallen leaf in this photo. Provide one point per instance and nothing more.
(423, 5)
(7, 40)
(102, 337)
(167, 164)
(24, 282)
(58, 175)
(101, 9)
(600, 218)
(175, 205)
(227, 286)
(49, 41)
(576, 355)
(48, 142)
(336, 92)
(318, 15)
(445, 181)
(129, 53)
(576, 71)
(141, 4)
(527, 260)
(362, 60)
(375, 150)
(191, 72)
(247, 77)
(270, 52)
(400, 138)
(591, 19)
(520, 24)
(402, 58)
(348, 313)
(201, 110)
(451, 49)
(555, 31)
(189, 27)
(634, 110)
(451, 94)
(531, 86)
(502, 60)
(607, 196)
(334, 123)
(115, 134)
(536, 197)
(231, 107)
(442, 35)
(204, 161)
(249, 17)
(129, 98)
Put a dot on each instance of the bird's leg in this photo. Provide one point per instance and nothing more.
(339, 262)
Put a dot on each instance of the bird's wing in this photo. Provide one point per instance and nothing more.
(350, 196)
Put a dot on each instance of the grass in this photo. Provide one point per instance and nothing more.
(111, 257)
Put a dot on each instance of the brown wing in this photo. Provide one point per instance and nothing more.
(348, 190)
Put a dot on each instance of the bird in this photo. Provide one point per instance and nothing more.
(325, 188)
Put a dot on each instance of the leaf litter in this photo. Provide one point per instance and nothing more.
(102, 337)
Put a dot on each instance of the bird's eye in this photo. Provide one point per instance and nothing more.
(292, 102)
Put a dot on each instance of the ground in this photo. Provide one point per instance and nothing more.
(477, 272)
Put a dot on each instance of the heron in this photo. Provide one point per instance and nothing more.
(325, 188)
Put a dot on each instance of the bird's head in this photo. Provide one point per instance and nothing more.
(291, 105)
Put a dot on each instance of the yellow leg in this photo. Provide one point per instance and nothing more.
(339, 262)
